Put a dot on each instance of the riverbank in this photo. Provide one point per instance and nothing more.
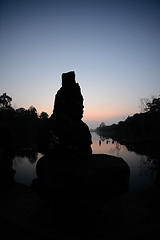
(25, 214)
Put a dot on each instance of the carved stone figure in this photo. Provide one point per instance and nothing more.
(66, 139)
(68, 162)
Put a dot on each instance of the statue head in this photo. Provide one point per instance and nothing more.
(68, 79)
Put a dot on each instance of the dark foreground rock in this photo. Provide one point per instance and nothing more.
(6, 156)
(24, 214)
(108, 174)
(100, 176)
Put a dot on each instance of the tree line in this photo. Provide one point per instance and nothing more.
(142, 130)
(20, 125)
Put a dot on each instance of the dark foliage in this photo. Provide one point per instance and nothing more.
(22, 124)
(140, 131)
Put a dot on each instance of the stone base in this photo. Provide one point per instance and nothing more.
(108, 174)
(100, 176)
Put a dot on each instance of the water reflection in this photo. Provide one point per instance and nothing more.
(25, 166)
(29, 153)
(142, 168)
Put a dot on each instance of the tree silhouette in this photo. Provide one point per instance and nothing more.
(143, 104)
(5, 101)
(44, 115)
(33, 112)
(102, 124)
(153, 106)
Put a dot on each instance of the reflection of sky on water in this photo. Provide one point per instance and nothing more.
(25, 169)
(141, 173)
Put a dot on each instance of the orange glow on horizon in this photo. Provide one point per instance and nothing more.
(48, 110)
(100, 114)
(93, 114)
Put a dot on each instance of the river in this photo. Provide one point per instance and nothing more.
(142, 168)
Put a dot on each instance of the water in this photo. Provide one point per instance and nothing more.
(25, 168)
(142, 169)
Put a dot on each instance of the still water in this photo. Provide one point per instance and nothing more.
(142, 169)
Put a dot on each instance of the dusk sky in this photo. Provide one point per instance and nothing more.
(112, 45)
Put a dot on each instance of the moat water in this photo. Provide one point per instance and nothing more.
(142, 168)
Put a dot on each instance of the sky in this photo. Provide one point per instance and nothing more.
(112, 45)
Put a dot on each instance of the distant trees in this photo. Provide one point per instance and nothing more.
(33, 112)
(143, 104)
(43, 115)
(23, 124)
(148, 105)
(102, 125)
(140, 128)
(5, 101)
(5, 104)
(153, 106)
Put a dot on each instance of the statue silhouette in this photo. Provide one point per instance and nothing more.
(73, 181)
(66, 139)
(66, 121)
(68, 162)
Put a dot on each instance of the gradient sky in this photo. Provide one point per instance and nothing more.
(113, 47)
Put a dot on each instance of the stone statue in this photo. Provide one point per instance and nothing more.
(68, 162)
(73, 181)
(66, 122)
(66, 139)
